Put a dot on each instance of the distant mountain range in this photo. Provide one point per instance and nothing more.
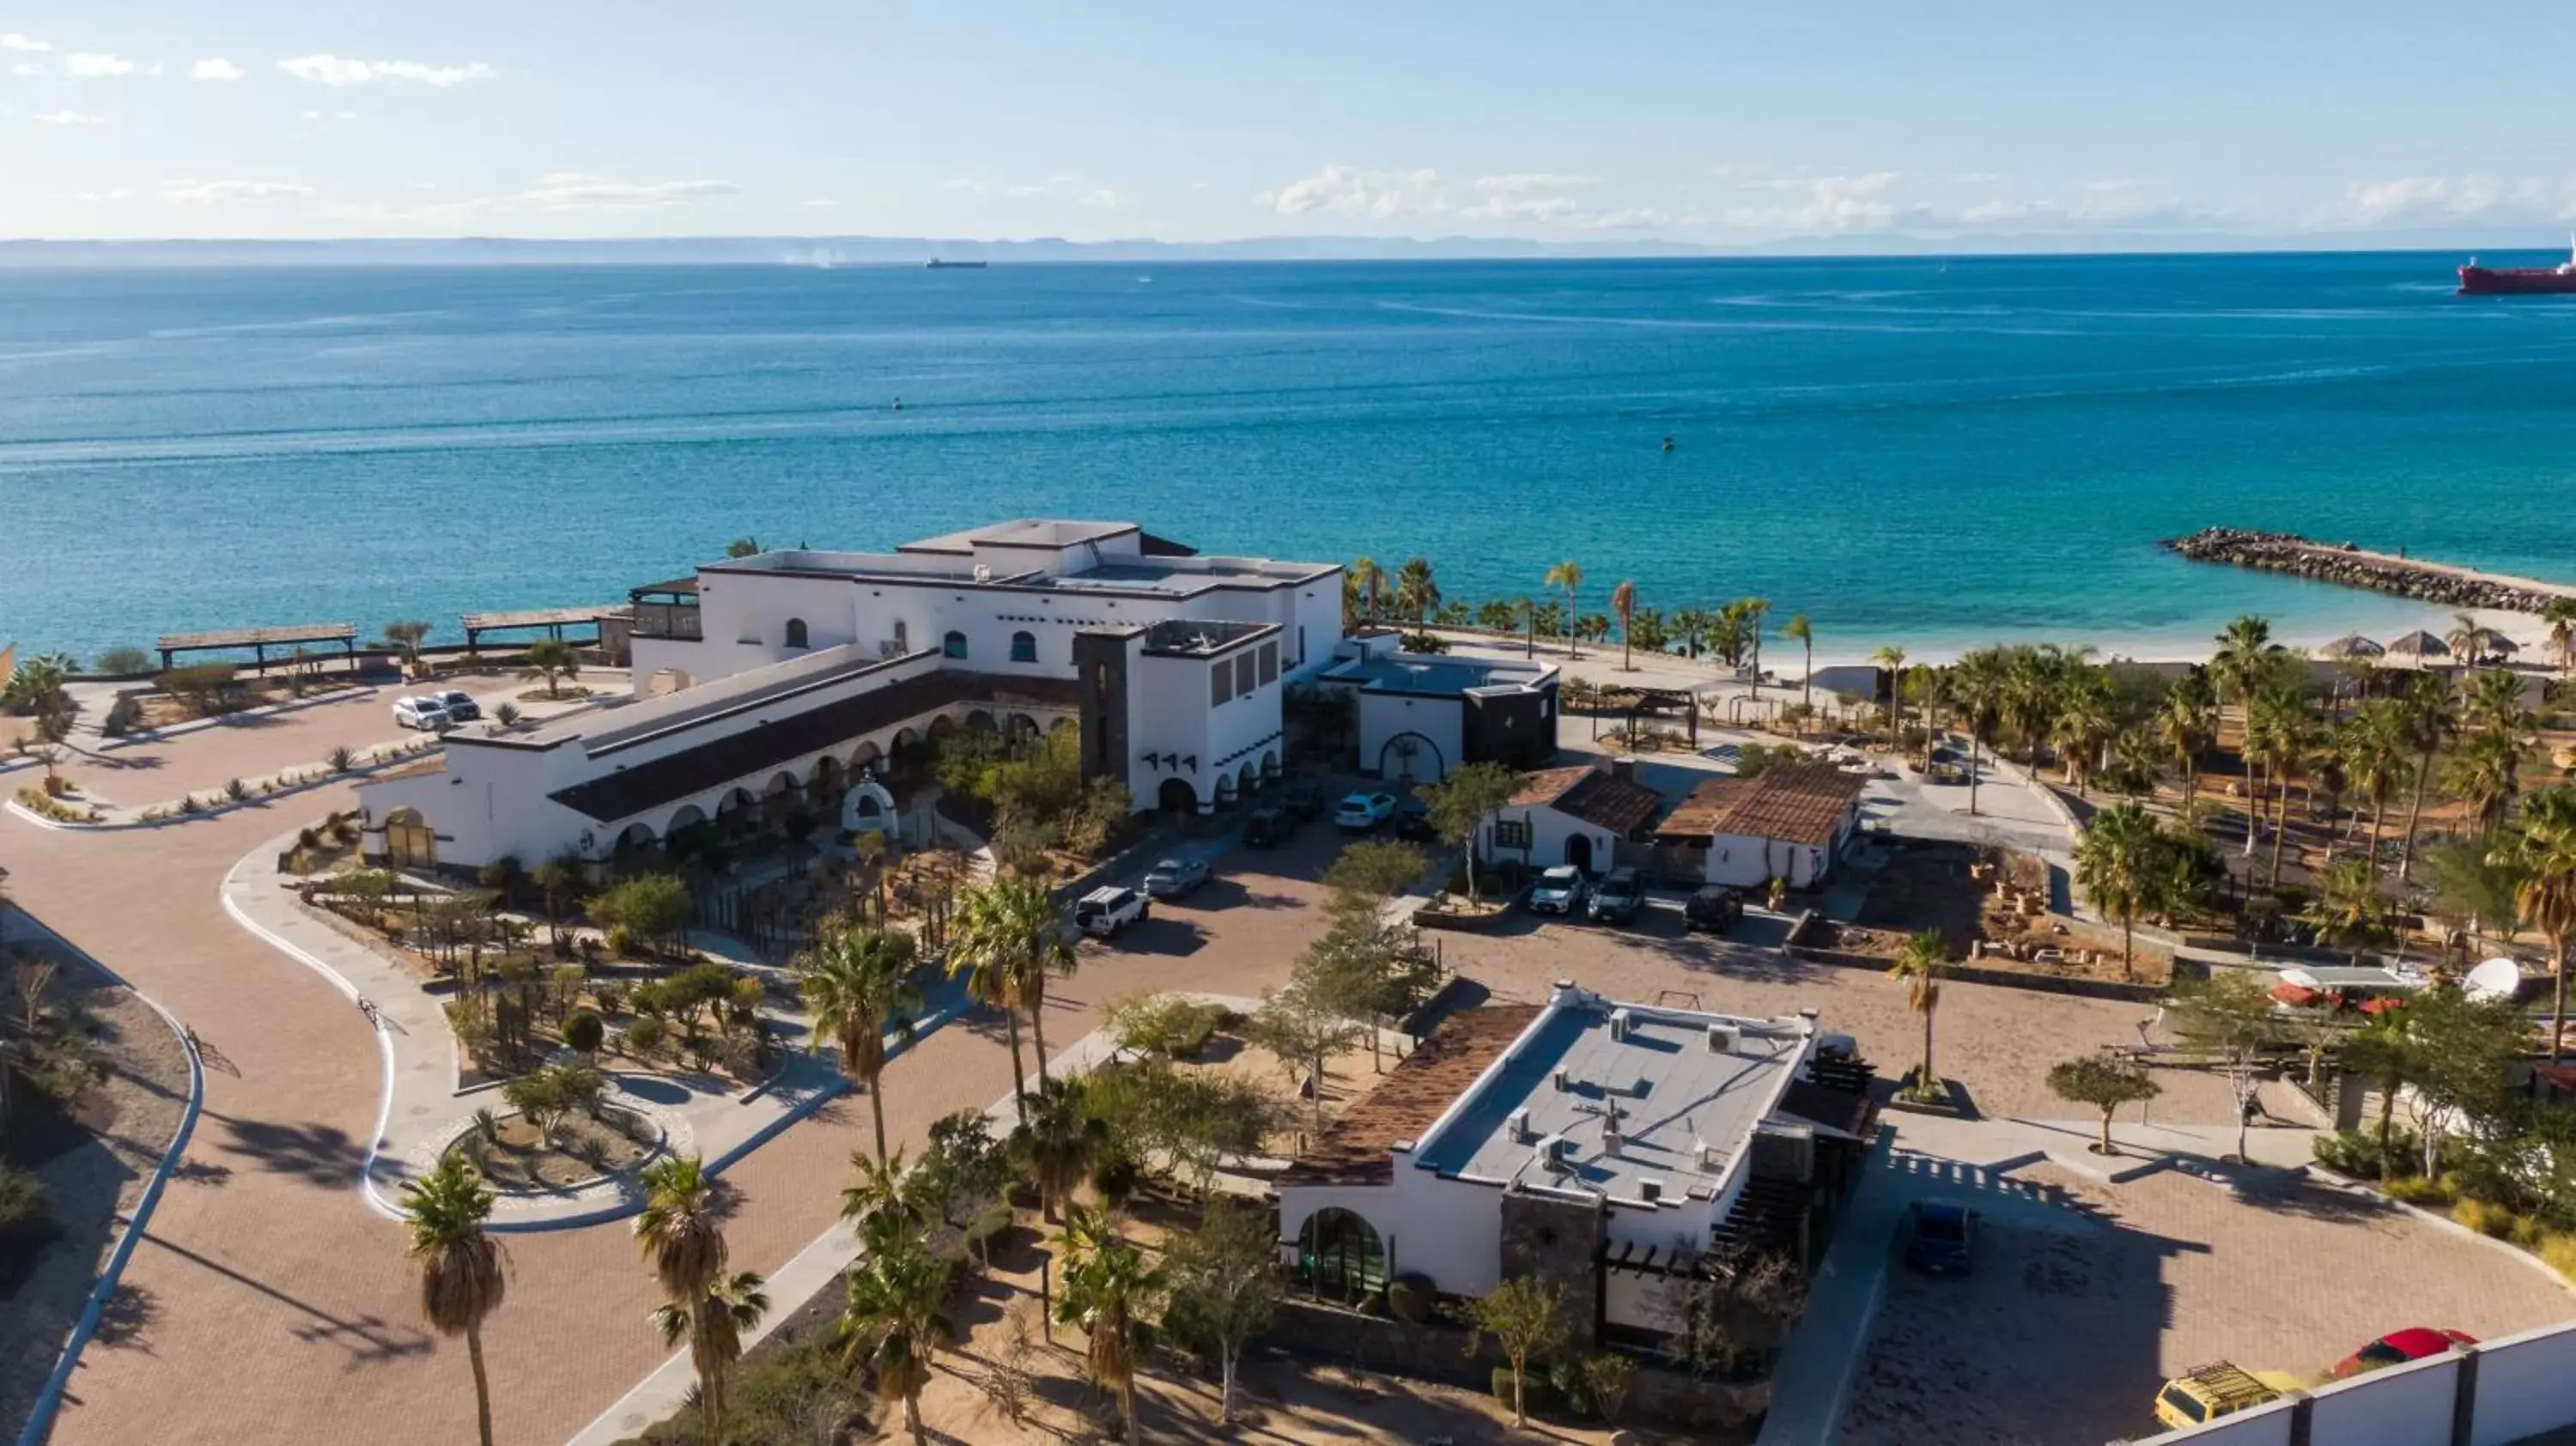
(913, 251)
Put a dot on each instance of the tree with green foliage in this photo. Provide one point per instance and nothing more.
(1009, 940)
(963, 1178)
(1300, 1024)
(1225, 1288)
(1417, 595)
(2377, 1052)
(2348, 908)
(1920, 964)
(1111, 1292)
(1566, 576)
(2476, 885)
(2459, 1058)
(408, 634)
(857, 983)
(651, 907)
(713, 1326)
(681, 1233)
(1058, 1140)
(2106, 1084)
(464, 1272)
(553, 660)
(1462, 802)
(894, 1320)
(744, 546)
(2542, 848)
(2229, 1015)
(1526, 1317)
(2117, 867)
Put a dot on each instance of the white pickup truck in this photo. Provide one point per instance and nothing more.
(1106, 910)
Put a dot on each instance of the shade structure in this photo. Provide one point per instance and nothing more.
(2419, 646)
(2350, 645)
(2497, 645)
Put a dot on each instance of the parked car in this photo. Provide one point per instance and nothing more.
(427, 714)
(460, 705)
(1172, 878)
(1303, 797)
(1267, 827)
(1617, 898)
(1940, 1237)
(1106, 910)
(1714, 908)
(1413, 821)
(2398, 1347)
(1558, 891)
(1363, 812)
(2220, 1388)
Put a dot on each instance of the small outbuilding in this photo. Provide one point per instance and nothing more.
(1578, 815)
(1789, 821)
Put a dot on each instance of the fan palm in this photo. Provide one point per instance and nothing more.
(2187, 723)
(2371, 746)
(2117, 864)
(874, 1201)
(1058, 1140)
(2468, 638)
(2543, 845)
(1010, 928)
(1976, 693)
(2487, 773)
(1919, 964)
(1623, 601)
(1416, 593)
(1567, 575)
(2432, 718)
(679, 1230)
(894, 1319)
(2084, 724)
(857, 982)
(714, 1323)
(553, 660)
(1755, 609)
(2348, 908)
(1803, 633)
(463, 1271)
(2246, 659)
(2491, 701)
(2560, 615)
(1110, 1291)
(1891, 659)
(1368, 581)
(2276, 737)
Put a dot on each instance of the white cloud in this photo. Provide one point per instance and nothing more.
(325, 117)
(457, 212)
(90, 64)
(1344, 191)
(26, 67)
(118, 193)
(214, 193)
(2422, 200)
(1638, 218)
(70, 118)
(1103, 199)
(968, 184)
(335, 70)
(215, 68)
(577, 191)
(1831, 204)
(12, 40)
(1529, 196)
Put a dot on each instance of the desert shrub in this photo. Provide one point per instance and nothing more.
(236, 790)
(1164, 1024)
(2484, 1218)
(122, 662)
(2416, 1190)
(2529, 1231)
(2558, 1252)
(617, 940)
(584, 1031)
(26, 1218)
(341, 759)
(1411, 1297)
(202, 686)
(645, 1035)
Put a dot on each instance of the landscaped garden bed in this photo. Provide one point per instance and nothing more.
(514, 1154)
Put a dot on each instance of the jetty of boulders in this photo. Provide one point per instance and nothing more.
(2347, 564)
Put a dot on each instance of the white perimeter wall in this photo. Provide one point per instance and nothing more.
(1751, 862)
(1442, 720)
(1450, 1230)
(2526, 1385)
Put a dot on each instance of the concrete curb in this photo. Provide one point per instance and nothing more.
(2443, 1222)
(40, 1419)
(269, 710)
(355, 773)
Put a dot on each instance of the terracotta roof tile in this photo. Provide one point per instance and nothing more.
(1792, 802)
(1356, 1149)
(1592, 794)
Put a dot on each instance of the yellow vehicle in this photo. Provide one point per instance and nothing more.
(2205, 1393)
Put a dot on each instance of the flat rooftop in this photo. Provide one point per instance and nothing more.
(617, 724)
(1197, 638)
(1022, 532)
(1428, 673)
(1666, 1085)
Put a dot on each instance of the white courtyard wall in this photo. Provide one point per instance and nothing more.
(1384, 716)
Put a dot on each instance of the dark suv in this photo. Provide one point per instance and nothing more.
(1715, 908)
(1617, 898)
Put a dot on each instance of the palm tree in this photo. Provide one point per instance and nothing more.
(1623, 601)
(2543, 845)
(2084, 724)
(2187, 723)
(2431, 717)
(1498, 615)
(1803, 633)
(2486, 773)
(1368, 580)
(1976, 692)
(1691, 627)
(1755, 608)
(1919, 965)
(2116, 864)
(554, 660)
(463, 1271)
(1416, 594)
(1058, 1140)
(2276, 736)
(2469, 639)
(683, 1240)
(2561, 617)
(874, 1199)
(2372, 748)
(2348, 907)
(2492, 702)
(714, 1324)
(893, 1316)
(1569, 576)
(1009, 929)
(2246, 658)
(1892, 658)
(1109, 1291)
(856, 982)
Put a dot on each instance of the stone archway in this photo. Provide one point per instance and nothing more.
(1177, 796)
(410, 843)
(1246, 779)
(1410, 755)
(868, 808)
(1225, 790)
(1340, 1255)
(1578, 851)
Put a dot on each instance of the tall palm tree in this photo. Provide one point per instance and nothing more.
(1367, 581)
(1920, 964)
(714, 1324)
(2187, 723)
(2372, 749)
(1416, 594)
(2469, 639)
(874, 1200)
(1976, 692)
(1803, 633)
(2276, 735)
(1110, 1291)
(2084, 724)
(2117, 866)
(894, 1318)
(2432, 718)
(2491, 701)
(2246, 659)
(682, 1238)
(1892, 659)
(1011, 925)
(1755, 609)
(857, 981)
(1569, 576)
(1623, 601)
(463, 1271)
(1058, 1140)
(2487, 773)
(2543, 845)
(1691, 627)
(2561, 617)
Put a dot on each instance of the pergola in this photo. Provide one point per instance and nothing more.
(1657, 703)
(260, 640)
(553, 620)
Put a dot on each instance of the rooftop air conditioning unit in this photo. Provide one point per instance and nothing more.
(983, 573)
(1562, 1078)
(1620, 1020)
(1556, 1151)
(1721, 1039)
(1650, 1190)
(1610, 1138)
(1707, 1154)
(1517, 1123)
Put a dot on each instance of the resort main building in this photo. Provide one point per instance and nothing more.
(770, 682)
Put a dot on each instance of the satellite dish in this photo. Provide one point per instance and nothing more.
(2495, 979)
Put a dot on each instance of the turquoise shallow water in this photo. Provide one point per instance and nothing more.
(1909, 450)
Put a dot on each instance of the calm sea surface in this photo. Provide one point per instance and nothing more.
(1921, 451)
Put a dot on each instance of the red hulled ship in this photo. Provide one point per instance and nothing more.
(2558, 280)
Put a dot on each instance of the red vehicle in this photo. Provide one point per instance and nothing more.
(2398, 1347)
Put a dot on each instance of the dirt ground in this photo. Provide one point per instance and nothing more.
(94, 1164)
(2086, 1298)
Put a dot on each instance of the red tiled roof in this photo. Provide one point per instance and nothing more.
(1356, 1149)
(1592, 794)
(1792, 802)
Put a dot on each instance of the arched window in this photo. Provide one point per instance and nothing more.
(796, 633)
(1340, 1255)
(954, 645)
(1024, 647)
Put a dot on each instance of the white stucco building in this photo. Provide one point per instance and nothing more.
(1790, 821)
(1601, 1144)
(764, 681)
(1419, 715)
(1578, 815)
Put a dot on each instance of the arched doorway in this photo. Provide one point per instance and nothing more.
(1411, 756)
(1340, 1256)
(868, 808)
(1578, 851)
(410, 843)
(1176, 796)
(636, 841)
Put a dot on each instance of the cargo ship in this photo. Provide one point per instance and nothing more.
(2558, 280)
(938, 265)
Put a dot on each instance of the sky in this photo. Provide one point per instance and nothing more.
(1711, 122)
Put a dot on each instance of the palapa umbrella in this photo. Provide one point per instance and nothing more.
(2500, 646)
(2419, 646)
(2351, 645)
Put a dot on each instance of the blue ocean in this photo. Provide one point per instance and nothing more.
(1921, 451)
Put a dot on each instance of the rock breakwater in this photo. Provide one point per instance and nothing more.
(2352, 566)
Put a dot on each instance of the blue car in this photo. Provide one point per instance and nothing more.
(1939, 1237)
